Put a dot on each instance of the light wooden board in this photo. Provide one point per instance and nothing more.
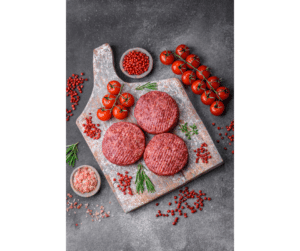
(104, 72)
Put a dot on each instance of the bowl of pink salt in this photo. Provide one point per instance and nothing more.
(85, 181)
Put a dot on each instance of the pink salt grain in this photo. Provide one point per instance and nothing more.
(85, 180)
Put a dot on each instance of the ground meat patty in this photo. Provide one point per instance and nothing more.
(166, 154)
(156, 112)
(123, 143)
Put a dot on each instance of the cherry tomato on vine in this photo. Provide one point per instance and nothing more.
(167, 57)
(108, 100)
(217, 108)
(188, 77)
(208, 97)
(205, 72)
(183, 51)
(120, 112)
(178, 67)
(198, 86)
(114, 87)
(126, 99)
(103, 114)
(223, 92)
(214, 82)
(194, 60)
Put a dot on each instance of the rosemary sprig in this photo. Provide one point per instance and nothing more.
(72, 154)
(185, 129)
(141, 176)
(149, 85)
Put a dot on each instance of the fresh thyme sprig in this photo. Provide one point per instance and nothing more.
(194, 128)
(72, 154)
(185, 129)
(141, 176)
(149, 85)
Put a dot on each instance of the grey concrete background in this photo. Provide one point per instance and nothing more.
(207, 28)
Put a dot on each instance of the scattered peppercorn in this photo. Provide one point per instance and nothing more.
(124, 183)
(74, 82)
(90, 129)
(203, 154)
(182, 197)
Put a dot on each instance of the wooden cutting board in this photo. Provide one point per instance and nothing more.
(104, 72)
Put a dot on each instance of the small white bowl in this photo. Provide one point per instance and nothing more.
(143, 74)
(90, 193)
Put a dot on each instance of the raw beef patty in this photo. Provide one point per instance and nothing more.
(166, 154)
(123, 143)
(156, 112)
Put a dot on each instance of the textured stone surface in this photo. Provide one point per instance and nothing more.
(207, 28)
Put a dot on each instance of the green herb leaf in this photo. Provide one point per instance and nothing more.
(141, 176)
(185, 129)
(149, 85)
(72, 154)
(194, 127)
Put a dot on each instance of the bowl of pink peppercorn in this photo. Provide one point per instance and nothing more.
(85, 181)
(136, 63)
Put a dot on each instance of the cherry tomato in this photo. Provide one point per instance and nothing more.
(194, 60)
(103, 114)
(208, 97)
(120, 112)
(217, 108)
(166, 57)
(188, 77)
(223, 92)
(205, 72)
(198, 86)
(214, 81)
(114, 87)
(108, 101)
(126, 99)
(178, 67)
(183, 51)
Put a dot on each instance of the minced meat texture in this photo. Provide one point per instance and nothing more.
(166, 154)
(156, 112)
(123, 143)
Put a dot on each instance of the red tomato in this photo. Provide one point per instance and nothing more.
(166, 57)
(114, 87)
(108, 101)
(194, 60)
(205, 72)
(178, 67)
(183, 51)
(217, 108)
(208, 97)
(198, 86)
(188, 77)
(214, 81)
(120, 112)
(103, 114)
(126, 99)
(223, 92)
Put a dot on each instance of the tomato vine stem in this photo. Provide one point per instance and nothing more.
(116, 100)
(176, 55)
